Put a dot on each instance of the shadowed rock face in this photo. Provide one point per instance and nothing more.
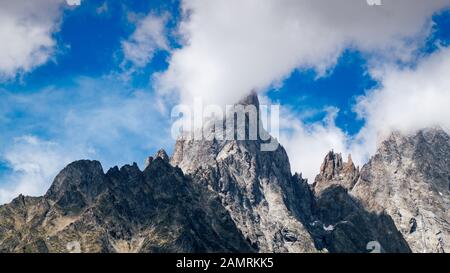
(78, 185)
(344, 225)
(341, 223)
(124, 210)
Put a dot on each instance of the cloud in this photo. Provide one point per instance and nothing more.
(230, 48)
(73, 2)
(149, 37)
(307, 144)
(26, 32)
(103, 8)
(100, 119)
(408, 100)
(33, 162)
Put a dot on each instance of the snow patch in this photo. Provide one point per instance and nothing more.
(328, 228)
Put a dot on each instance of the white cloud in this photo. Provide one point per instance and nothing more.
(408, 100)
(98, 119)
(232, 47)
(73, 2)
(26, 29)
(148, 38)
(33, 162)
(307, 144)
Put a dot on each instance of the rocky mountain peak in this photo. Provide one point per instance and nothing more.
(124, 210)
(78, 184)
(190, 154)
(331, 166)
(252, 184)
(334, 171)
(160, 154)
(232, 196)
(163, 155)
(398, 142)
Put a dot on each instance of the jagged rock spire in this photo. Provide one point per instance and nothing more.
(148, 161)
(335, 171)
(251, 182)
(331, 165)
(163, 155)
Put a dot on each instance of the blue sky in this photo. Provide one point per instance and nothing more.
(89, 42)
(89, 100)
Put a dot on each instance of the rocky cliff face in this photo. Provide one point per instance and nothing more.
(342, 223)
(405, 183)
(231, 196)
(409, 178)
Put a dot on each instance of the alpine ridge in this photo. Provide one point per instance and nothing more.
(230, 196)
(124, 210)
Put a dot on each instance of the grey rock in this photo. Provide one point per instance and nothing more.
(163, 155)
(343, 225)
(257, 188)
(408, 178)
(334, 171)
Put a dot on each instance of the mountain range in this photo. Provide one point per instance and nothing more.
(229, 196)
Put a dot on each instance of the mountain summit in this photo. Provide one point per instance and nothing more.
(257, 188)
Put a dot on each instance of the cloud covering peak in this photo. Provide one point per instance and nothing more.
(230, 48)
